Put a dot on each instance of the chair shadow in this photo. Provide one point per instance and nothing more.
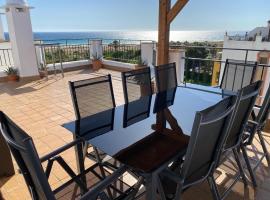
(23, 87)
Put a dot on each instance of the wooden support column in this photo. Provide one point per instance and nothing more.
(166, 16)
(163, 32)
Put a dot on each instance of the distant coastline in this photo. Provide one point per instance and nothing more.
(181, 36)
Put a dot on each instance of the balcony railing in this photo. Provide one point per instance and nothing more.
(247, 38)
(128, 51)
(122, 50)
(6, 59)
(203, 64)
(56, 53)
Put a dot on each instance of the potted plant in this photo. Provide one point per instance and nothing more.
(43, 70)
(96, 61)
(12, 74)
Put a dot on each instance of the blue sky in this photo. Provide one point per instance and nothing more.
(78, 15)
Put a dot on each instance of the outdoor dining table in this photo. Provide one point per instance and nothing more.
(149, 133)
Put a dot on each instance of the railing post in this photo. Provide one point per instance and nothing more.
(89, 48)
(61, 60)
(246, 56)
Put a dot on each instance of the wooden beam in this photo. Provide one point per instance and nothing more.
(177, 7)
(163, 32)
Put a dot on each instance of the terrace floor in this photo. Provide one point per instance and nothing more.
(41, 107)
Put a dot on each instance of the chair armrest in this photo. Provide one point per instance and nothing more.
(102, 185)
(60, 150)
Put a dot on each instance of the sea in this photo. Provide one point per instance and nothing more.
(108, 36)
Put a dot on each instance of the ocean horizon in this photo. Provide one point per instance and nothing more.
(181, 36)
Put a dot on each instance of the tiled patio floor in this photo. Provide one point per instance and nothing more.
(41, 107)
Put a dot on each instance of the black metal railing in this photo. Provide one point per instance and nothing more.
(202, 71)
(122, 50)
(75, 41)
(67, 53)
(203, 64)
(57, 53)
(6, 59)
(248, 38)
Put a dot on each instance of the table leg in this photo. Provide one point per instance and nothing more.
(150, 186)
(80, 159)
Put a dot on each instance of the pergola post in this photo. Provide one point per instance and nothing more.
(166, 16)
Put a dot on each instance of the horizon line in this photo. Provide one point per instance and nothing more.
(122, 30)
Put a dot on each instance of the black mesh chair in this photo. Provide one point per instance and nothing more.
(36, 178)
(91, 97)
(238, 74)
(256, 126)
(166, 77)
(136, 84)
(213, 124)
(234, 139)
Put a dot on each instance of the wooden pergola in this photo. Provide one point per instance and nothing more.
(167, 13)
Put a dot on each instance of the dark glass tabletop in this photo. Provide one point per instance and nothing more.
(150, 131)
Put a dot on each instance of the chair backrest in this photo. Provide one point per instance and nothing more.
(265, 109)
(25, 154)
(166, 77)
(245, 103)
(238, 74)
(136, 84)
(92, 96)
(209, 130)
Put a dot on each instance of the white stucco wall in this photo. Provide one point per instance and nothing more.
(148, 52)
(176, 55)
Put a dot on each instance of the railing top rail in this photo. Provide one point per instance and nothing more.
(203, 59)
(1, 49)
(91, 39)
(216, 60)
(64, 39)
(221, 48)
(46, 44)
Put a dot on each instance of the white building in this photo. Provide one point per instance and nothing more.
(263, 31)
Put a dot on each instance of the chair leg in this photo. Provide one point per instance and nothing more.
(213, 187)
(250, 170)
(178, 192)
(243, 176)
(102, 170)
(160, 189)
(264, 147)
